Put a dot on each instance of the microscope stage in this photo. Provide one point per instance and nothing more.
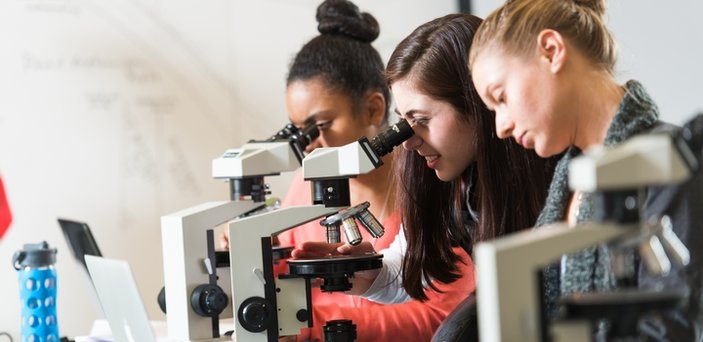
(335, 270)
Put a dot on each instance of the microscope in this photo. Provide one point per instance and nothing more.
(268, 307)
(194, 300)
(263, 306)
(509, 284)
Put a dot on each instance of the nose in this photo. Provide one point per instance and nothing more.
(504, 126)
(412, 143)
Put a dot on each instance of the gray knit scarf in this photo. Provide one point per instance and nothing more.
(590, 269)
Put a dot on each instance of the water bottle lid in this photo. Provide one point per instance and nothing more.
(34, 255)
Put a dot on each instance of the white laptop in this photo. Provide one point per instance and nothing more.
(120, 299)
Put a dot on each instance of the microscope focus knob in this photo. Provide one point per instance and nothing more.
(208, 300)
(254, 315)
(340, 330)
(161, 299)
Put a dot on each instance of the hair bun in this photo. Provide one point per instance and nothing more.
(597, 6)
(342, 17)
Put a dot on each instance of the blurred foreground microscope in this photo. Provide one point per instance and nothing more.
(263, 306)
(510, 293)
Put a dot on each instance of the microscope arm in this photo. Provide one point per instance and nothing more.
(251, 273)
(184, 247)
(507, 312)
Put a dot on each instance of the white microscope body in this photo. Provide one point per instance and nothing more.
(183, 233)
(508, 295)
(263, 307)
(267, 307)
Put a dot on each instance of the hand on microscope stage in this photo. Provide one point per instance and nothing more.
(317, 249)
(362, 280)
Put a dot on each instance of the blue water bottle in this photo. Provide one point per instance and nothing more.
(37, 283)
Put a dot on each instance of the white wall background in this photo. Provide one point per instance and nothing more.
(111, 111)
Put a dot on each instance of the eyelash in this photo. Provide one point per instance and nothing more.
(413, 121)
(324, 125)
(418, 121)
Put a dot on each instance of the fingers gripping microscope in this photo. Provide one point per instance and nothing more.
(509, 293)
(265, 307)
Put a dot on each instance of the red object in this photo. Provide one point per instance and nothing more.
(5, 214)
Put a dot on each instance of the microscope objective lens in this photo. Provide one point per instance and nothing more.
(333, 234)
(371, 223)
(351, 231)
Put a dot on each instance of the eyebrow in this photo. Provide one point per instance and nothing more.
(409, 113)
(312, 118)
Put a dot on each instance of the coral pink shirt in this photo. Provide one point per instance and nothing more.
(410, 321)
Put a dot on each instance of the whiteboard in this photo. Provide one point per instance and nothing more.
(111, 112)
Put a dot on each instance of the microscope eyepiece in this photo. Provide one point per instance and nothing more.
(298, 139)
(285, 132)
(305, 136)
(393, 136)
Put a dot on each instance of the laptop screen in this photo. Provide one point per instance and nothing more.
(120, 299)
